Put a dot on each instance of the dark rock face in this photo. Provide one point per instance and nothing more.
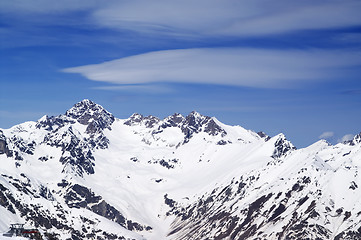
(18, 147)
(22, 146)
(228, 213)
(213, 129)
(53, 123)
(195, 123)
(173, 121)
(349, 235)
(167, 163)
(4, 149)
(89, 113)
(135, 119)
(192, 124)
(4, 200)
(222, 142)
(34, 214)
(209, 219)
(264, 136)
(138, 119)
(356, 140)
(41, 217)
(76, 153)
(78, 196)
(85, 112)
(282, 147)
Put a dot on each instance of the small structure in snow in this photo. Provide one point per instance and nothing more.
(17, 229)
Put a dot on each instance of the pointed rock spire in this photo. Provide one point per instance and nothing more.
(89, 113)
(282, 146)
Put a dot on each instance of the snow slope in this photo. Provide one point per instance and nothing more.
(86, 174)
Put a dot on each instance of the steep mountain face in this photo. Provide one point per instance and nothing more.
(86, 174)
(312, 199)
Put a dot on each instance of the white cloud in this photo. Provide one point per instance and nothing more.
(45, 6)
(226, 66)
(228, 17)
(155, 89)
(326, 135)
(347, 137)
(201, 17)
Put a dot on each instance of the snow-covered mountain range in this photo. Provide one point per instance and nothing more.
(88, 175)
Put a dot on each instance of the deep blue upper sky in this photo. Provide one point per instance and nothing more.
(273, 66)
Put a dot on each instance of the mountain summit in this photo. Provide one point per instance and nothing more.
(91, 114)
(88, 175)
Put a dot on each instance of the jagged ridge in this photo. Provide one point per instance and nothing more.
(77, 174)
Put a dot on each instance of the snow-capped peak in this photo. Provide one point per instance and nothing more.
(84, 107)
(85, 175)
(196, 114)
(173, 121)
(89, 113)
(356, 140)
(43, 118)
(138, 119)
(282, 146)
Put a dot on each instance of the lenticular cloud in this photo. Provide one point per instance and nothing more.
(226, 66)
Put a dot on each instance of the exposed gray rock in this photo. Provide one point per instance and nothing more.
(282, 147)
(138, 119)
(264, 136)
(4, 149)
(78, 196)
(89, 113)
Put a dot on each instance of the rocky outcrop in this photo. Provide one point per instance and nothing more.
(356, 140)
(54, 217)
(91, 114)
(234, 212)
(77, 153)
(76, 156)
(138, 119)
(78, 196)
(4, 149)
(53, 123)
(195, 123)
(264, 136)
(282, 147)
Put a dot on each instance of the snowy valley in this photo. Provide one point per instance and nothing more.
(86, 174)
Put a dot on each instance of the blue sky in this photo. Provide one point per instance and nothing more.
(273, 66)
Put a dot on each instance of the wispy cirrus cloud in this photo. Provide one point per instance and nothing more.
(45, 6)
(142, 88)
(203, 17)
(228, 17)
(352, 92)
(225, 66)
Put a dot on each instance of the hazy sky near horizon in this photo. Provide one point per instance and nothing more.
(272, 66)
